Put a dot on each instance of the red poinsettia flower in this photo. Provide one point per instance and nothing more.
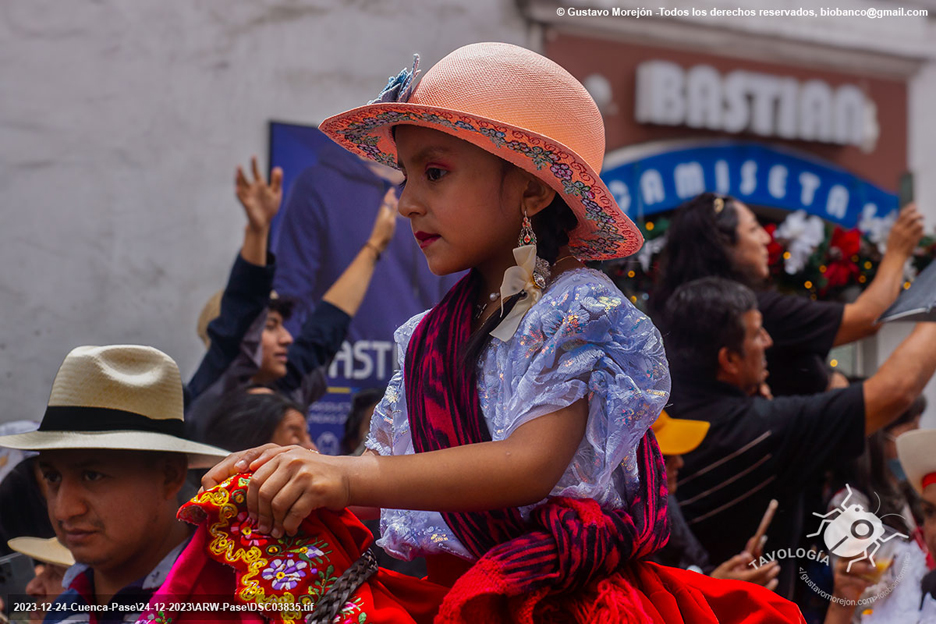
(848, 242)
(844, 245)
(840, 273)
(774, 249)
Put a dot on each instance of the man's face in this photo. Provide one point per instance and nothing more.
(674, 464)
(275, 341)
(928, 503)
(44, 587)
(107, 506)
(749, 369)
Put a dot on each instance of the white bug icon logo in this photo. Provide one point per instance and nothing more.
(851, 531)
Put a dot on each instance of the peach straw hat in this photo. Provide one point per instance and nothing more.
(519, 106)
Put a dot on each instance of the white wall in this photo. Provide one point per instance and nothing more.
(121, 123)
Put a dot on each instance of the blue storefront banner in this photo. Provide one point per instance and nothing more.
(647, 180)
(331, 201)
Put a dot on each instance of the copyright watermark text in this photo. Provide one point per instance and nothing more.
(738, 12)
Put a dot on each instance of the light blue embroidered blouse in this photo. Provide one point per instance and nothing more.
(582, 339)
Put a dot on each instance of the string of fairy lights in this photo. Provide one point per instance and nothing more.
(827, 275)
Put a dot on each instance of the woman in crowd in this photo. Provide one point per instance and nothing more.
(906, 595)
(717, 235)
(358, 422)
(242, 418)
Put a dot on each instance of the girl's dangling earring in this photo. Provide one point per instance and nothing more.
(527, 235)
(528, 279)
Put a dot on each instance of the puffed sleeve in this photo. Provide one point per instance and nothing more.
(389, 427)
(585, 339)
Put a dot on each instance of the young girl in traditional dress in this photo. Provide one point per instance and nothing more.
(512, 447)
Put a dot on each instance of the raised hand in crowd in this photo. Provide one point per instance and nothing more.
(848, 587)
(860, 318)
(906, 232)
(349, 289)
(261, 202)
(740, 568)
(385, 223)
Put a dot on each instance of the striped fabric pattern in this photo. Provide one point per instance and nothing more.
(444, 409)
(566, 543)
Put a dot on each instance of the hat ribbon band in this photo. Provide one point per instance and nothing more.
(78, 418)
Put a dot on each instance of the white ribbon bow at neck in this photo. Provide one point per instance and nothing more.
(518, 279)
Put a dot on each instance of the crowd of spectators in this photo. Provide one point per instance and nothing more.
(762, 443)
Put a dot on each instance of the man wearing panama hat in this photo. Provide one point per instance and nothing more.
(112, 462)
(52, 560)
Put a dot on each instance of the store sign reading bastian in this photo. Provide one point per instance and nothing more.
(766, 105)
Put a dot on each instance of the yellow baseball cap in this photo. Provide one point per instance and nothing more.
(678, 436)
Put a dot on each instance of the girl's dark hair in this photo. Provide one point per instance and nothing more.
(360, 403)
(242, 420)
(552, 225)
(697, 244)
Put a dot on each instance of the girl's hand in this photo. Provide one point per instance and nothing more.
(233, 464)
(288, 483)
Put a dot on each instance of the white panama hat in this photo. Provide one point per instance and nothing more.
(916, 451)
(45, 550)
(121, 397)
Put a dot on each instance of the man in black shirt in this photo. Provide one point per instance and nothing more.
(803, 332)
(759, 449)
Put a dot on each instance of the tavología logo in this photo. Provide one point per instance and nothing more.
(851, 532)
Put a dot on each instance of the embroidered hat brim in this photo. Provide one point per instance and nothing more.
(521, 107)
